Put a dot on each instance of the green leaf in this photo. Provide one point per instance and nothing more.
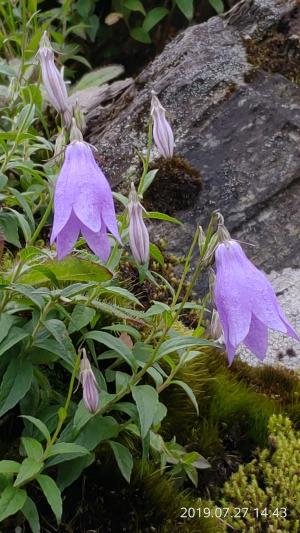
(153, 17)
(81, 316)
(148, 180)
(83, 7)
(192, 473)
(23, 224)
(134, 5)
(40, 425)
(67, 448)
(123, 458)
(123, 293)
(218, 5)
(161, 216)
(187, 389)
(11, 501)
(33, 448)
(24, 204)
(69, 269)
(93, 26)
(70, 471)
(3, 181)
(122, 380)
(52, 494)
(9, 226)
(146, 399)
(6, 322)
(98, 77)
(16, 382)
(115, 344)
(178, 343)
(139, 34)
(186, 7)
(96, 430)
(124, 327)
(28, 470)
(156, 254)
(29, 293)
(9, 467)
(31, 514)
(121, 312)
(59, 331)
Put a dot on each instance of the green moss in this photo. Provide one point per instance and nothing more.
(168, 502)
(279, 51)
(271, 481)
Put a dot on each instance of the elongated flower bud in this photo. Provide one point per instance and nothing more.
(89, 384)
(59, 148)
(138, 233)
(53, 80)
(162, 131)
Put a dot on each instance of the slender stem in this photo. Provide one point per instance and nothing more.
(42, 222)
(38, 324)
(63, 412)
(147, 160)
(6, 296)
(186, 267)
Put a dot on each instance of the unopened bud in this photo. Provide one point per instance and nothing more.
(162, 131)
(89, 384)
(201, 238)
(75, 133)
(138, 233)
(53, 80)
(59, 148)
(79, 117)
(222, 232)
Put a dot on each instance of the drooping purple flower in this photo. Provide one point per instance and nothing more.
(162, 131)
(89, 384)
(83, 203)
(246, 302)
(138, 233)
(53, 81)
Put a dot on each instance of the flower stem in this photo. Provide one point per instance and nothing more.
(42, 222)
(63, 411)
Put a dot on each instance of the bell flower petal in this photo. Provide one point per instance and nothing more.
(246, 301)
(83, 199)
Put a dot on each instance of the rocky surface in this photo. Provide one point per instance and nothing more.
(236, 120)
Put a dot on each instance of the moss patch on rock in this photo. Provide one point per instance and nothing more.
(176, 186)
(279, 50)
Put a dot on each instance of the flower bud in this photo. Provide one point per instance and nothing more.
(89, 384)
(79, 117)
(162, 131)
(75, 133)
(53, 80)
(138, 233)
(59, 148)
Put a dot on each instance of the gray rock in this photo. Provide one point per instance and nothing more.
(237, 124)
